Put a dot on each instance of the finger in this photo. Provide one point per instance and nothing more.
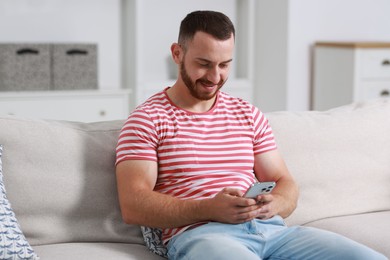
(264, 209)
(254, 208)
(245, 202)
(265, 212)
(233, 192)
(249, 213)
(264, 198)
(247, 216)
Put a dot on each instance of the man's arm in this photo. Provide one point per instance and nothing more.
(143, 206)
(270, 166)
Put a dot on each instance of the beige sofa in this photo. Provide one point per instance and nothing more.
(60, 180)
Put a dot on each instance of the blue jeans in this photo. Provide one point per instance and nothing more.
(265, 239)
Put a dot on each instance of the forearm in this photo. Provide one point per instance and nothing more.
(141, 205)
(154, 209)
(158, 210)
(287, 193)
(270, 166)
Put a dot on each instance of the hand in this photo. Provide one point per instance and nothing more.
(268, 206)
(228, 206)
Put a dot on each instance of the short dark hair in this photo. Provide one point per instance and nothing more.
(214, 23)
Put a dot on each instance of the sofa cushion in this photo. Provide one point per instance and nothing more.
(66, 171)
(371, 229)
(95, 251)
(340, 158)
(13, 243)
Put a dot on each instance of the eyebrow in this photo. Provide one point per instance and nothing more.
(209, 61)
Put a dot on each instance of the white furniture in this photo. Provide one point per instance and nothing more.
(346, 72)
(83, 105)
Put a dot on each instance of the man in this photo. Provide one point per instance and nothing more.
(187, 155)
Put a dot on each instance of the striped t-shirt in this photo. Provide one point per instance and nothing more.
(198, 154)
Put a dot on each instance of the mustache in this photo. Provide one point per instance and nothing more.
(208, 82)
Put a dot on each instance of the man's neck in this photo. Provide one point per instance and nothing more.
(182, 98)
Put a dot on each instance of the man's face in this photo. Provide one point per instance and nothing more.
(205, 65)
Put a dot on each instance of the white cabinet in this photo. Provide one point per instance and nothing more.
(141, 33)
(348, 72)
(83, 106)
(151, 26)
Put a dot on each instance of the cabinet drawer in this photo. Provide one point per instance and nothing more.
(375, 63)
(74, 106)
(371, 90)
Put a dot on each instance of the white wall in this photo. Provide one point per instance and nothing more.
(158, 28)
(330, 20)
(305, 22)
(271, 45)
(151, 26)
(285, 31)
(67, 21)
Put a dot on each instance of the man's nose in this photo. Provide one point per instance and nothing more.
(214, 75)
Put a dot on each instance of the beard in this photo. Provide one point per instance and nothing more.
(191, 85)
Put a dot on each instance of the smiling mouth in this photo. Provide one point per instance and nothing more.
(209, 88)
(208, 84)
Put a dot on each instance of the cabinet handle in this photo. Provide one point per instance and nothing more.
(25, 51)
(385, 63)
(385, 93)
(76, 52)
(102, 113)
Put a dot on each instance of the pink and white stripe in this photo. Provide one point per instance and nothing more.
(198, 154)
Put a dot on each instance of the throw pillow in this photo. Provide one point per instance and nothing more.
(13, 244)
(152, 238)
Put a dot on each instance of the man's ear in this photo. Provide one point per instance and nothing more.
(176, 52)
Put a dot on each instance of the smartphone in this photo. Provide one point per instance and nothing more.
(259, 188)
